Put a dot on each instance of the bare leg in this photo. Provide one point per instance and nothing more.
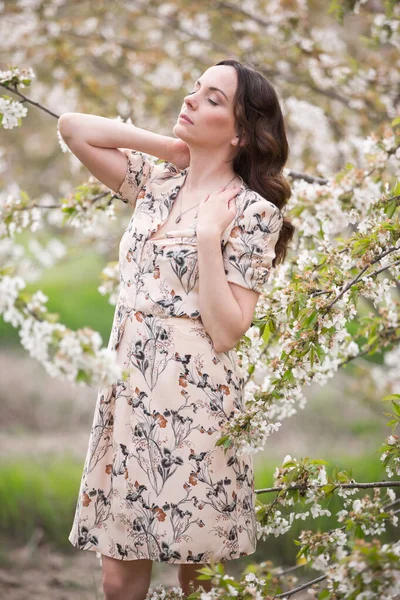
(126, 579)
(188, 573)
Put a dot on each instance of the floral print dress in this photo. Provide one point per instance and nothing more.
(154, 485)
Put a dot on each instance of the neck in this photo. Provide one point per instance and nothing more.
(207, 176)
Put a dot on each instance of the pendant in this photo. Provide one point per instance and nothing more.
(178, 219)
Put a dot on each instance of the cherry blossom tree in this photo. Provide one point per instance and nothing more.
(336, 298)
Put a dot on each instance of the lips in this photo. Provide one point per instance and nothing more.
(183, 116)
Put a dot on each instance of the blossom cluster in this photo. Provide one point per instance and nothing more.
(302, 334)
(11, 112)
(75, 356)
(370, 570)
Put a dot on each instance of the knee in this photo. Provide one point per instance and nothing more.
(118, 589)
(122, 582)
(113, 587)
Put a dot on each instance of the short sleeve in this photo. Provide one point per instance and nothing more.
(250, 248)
(138, 170)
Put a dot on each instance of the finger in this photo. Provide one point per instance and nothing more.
(230, 193)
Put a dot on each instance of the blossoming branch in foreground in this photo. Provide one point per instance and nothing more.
(75, 356)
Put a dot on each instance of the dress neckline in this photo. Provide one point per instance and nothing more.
(190, 229)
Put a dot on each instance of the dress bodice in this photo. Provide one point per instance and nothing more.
(160, 276)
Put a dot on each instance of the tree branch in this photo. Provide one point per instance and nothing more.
(359, 278)
(304, 586)
(368, 485)
(28, 100)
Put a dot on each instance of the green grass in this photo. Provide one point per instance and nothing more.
(44, 494)
(39, 495)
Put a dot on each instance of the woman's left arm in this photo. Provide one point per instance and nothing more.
(226, 314)
(231, 280)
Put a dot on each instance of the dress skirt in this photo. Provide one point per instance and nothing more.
(154, 484)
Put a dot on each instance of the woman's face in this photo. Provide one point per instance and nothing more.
(210, 110)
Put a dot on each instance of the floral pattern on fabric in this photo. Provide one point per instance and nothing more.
(138, 170)
(250, 249)
(154, 485)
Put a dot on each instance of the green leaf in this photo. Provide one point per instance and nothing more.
(391, 209)
(288, 376)
(320, 352)
(311, 319)
(391, 397)
(312, 356)
(266, 335)
(301, 552)
(69, 210)
(82, 376)
(205, 571)
(297, 543)
(295, 309)
(222, 440)
(328, 488)
(395, 191)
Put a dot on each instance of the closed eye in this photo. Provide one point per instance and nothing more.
(209, 99)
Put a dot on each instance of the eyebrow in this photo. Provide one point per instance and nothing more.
(214, 89)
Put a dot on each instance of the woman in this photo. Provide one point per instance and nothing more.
(154, 485)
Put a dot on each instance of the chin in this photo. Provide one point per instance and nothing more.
(177, 131)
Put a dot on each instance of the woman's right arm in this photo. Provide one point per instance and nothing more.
(95, 141)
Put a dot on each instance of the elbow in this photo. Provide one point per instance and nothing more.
(219, 348)
(65, 125)
(224, 345)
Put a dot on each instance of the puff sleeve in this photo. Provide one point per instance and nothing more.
(250, 248)
(138, 171)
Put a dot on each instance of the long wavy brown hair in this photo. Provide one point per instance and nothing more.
(261, 159)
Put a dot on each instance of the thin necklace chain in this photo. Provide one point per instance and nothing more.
(178, 218)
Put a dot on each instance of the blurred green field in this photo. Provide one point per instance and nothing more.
(72, 289)
(42, 495)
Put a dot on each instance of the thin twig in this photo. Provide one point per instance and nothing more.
(28, 100)
(35, 205)
(297, 486)
(304, 586)
(358, 276)
(368, 349)
(308, 178)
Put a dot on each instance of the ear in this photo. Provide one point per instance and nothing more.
(237, 141)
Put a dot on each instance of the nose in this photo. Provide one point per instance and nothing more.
(190, 101)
